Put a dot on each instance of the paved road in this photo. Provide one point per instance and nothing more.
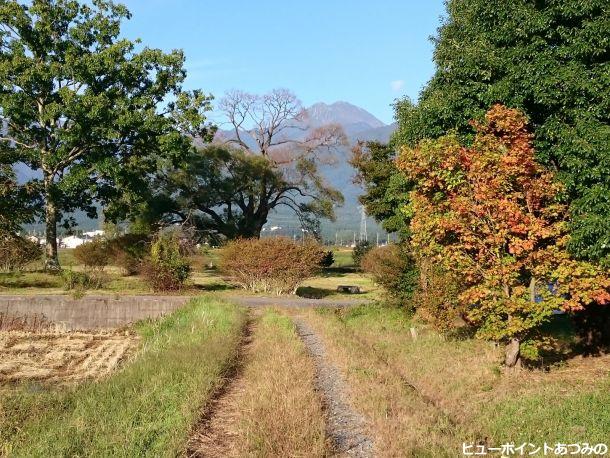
(259, 301)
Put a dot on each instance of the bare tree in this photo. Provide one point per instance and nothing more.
(277, 127)
(271, 157)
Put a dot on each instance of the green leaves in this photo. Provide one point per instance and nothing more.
(550, 60)
(85, 108)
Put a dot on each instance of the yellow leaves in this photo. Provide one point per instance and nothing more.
(490, 212)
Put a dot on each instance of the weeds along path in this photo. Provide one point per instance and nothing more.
(401, 421)
(345, 427)
(269, 405)
(211, 436)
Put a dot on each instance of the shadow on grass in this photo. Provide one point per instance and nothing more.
(29, 280)
(213, 287)
(338, 271)
(310, 292)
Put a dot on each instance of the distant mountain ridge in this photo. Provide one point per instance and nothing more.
(357, 123)
(343, 113)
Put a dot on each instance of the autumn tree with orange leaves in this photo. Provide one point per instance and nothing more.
(491, 215)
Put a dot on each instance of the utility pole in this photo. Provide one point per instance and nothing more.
(363, 233)
(377, 238)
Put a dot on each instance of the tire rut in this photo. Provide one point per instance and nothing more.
(345, 427)
(211, 437)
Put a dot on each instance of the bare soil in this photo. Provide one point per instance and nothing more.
(214, 435)
(61, 357)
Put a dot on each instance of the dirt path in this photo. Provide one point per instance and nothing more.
(344, 426)
(293, 301)
(214, 435)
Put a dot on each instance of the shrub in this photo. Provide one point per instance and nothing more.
(16, 252)
(167, 269)
(361, 248)
(393, 268)
(436, 297)
(81, 281)
(127, 251)
(328, 259)
(275, 265)
(94, 254)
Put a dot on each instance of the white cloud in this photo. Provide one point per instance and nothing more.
(397, 85)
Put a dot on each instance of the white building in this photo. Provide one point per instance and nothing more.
(71, 241)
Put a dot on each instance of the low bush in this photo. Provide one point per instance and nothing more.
(328, 259)
(393, 268)
(16, 251)
(94, 254)
(81, 281)
(127, 251)
(168, 268)
(276, 265)
(361, 248)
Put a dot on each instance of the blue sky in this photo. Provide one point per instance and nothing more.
(364, 52)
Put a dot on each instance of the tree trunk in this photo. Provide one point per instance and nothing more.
(512, 358)
(51, 258)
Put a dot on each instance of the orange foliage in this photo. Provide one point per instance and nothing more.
(492, 215)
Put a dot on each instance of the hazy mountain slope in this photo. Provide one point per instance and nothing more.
(343, 113)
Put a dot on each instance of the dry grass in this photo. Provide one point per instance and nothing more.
(401, 422)
(61, 357)
(460, 381)
(271, 408)
(145, 409)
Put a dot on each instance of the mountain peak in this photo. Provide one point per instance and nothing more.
(343, 113)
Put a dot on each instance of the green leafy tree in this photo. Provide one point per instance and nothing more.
(549, 59)
(217, 191)
(84, 109)
(386, 190)
(18, 203)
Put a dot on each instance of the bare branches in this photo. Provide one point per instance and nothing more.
(16, 142)
(278, 128)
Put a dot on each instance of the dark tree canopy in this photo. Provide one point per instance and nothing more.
(547, 58)
(84, 108)
(18, 203)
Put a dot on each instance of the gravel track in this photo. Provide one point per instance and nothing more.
(344, 426)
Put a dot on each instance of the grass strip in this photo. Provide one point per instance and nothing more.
(147, 408)
(569, 403)
(271, 409)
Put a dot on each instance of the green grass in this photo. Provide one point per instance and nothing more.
(146, 409)
(568, 403)
(343, 257)
(35, 281)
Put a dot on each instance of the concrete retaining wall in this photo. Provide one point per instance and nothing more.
(90, 311)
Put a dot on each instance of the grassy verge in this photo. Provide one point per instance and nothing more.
(272, 408)
(460, 381)
(145, 409)
(401, 423)
(35, 281)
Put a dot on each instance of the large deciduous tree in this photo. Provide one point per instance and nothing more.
(549, 59)
(269, 159)
(83, 108)
(491, 214)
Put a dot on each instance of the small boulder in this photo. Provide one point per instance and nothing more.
(348, 289)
